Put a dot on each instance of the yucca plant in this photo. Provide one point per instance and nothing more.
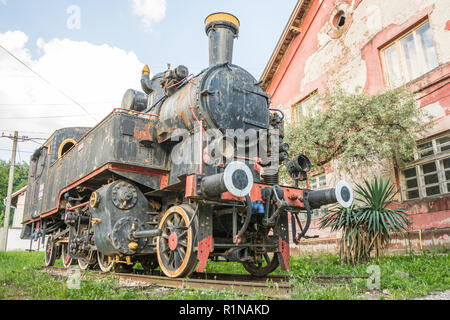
(367, 225)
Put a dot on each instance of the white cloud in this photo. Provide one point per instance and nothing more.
(150, 11)
(96, 76)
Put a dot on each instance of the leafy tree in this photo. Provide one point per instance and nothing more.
(20, 180)
(360, 129)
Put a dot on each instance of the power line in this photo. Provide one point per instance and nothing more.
(55, 104)
(37, 132)
(21, 139)
(24, 151)
(17, 139)
(49, 83)
(32, 140)
(47, 117)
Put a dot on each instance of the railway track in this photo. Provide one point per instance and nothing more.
(273, 286)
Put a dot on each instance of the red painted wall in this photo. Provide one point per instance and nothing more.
(287, 81)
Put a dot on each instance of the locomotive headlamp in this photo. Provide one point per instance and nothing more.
(236, 179)
(134, 100)
(298, 167)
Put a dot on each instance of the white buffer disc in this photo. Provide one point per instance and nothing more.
(238, 179)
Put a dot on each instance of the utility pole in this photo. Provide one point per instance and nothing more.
(4, 239)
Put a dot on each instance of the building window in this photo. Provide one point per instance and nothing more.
(410, 56)
(318, 182)
(305, 108)
(429, 175)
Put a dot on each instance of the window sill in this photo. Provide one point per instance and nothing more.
(425, 199)
(430, 158)
(427, 79)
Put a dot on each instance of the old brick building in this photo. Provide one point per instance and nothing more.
(376, 45)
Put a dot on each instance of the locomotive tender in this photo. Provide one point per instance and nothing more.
(183, 172)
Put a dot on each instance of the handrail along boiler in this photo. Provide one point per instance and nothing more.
(134, 189)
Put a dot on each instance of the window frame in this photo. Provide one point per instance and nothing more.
(437, 157)
(301, 103)
(318, 177)
(401, 56)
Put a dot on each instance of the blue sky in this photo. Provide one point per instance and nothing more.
(97, 62)
(178, 38)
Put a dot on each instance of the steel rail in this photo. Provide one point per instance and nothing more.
(275, 286)
(272, 286)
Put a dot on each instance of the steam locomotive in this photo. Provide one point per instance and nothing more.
(183, 172)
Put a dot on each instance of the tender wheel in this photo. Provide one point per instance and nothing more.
(104, 263)
(269, 264)
(50, 252)
(67, 260)
(175, 246)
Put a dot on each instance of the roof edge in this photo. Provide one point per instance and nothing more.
(290, 30)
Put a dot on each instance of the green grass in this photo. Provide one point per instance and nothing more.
(402, 277)
(20, 279)
(428, 272)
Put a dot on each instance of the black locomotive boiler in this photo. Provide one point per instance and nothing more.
(183, 172)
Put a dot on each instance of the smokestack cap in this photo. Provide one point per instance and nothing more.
(222, 18)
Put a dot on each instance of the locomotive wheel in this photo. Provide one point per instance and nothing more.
(269, 264)
(175, 246)
(67, 260)
(104, 263)
(50, 252)
(84, 264)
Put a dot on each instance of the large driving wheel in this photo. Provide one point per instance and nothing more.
(269, 262)
(90, 260)
(50, 252)
(67, 260)
(104, 262)
(175, 246)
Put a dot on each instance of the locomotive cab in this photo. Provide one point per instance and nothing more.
(41, 160)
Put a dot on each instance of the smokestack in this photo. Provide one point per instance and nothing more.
(221, 29)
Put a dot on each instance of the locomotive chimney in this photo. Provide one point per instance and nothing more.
(221, 29)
